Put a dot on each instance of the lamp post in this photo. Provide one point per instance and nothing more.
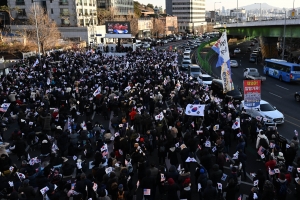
(284, 28)
(215, 11)
(293, 12)
(37, 31)
(259, 11)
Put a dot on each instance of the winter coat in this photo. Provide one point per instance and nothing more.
(172, 155)
(47, 123)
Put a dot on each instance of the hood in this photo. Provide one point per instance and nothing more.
(172, 168)
(171, 181)
(273, 114)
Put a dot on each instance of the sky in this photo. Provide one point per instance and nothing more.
(229, 4)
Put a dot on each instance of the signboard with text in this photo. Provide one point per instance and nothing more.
(117, 27)
(252, 93)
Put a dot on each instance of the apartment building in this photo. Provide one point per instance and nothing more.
(121, 7)
(63, 12)
(190, 14)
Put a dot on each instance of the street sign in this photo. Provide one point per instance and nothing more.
(98, 34)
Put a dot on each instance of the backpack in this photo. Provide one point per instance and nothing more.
(120, 195)
(161, 148)
(283, 189)
(263, 142)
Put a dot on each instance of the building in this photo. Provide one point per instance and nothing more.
(169, 7)
(63, 12)
(120, 7)
(238, 15)
(190, 14)
(171, 24)
(145, 25)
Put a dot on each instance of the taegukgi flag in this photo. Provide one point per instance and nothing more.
(221, 48)
(195, 110)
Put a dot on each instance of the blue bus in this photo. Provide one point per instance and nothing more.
(283, 70)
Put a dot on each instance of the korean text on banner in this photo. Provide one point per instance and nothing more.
(252, 93)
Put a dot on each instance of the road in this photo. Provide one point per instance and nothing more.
(279, 94)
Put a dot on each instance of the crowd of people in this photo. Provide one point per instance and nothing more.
(58, 107)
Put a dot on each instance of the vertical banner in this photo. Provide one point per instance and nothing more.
(221, 48)
(252, 93)
(226, 78)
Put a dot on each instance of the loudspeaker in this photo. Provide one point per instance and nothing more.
(134, 40)
(102, 40)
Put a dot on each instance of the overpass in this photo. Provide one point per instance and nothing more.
(267, 31)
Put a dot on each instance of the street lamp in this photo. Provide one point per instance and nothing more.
(215, 11)
(293, 12)
(259, 11)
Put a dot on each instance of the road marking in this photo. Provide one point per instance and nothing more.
(282, 87)
(293, 118)
(276, 95)
(292, 123)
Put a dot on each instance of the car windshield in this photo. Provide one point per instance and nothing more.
(266, 107)
(186, 62)
(296, 68)
(206, 79)
(195, 69)
(233, 61)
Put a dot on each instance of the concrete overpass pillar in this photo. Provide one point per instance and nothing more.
(268, 47)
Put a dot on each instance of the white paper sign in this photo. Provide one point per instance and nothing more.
(108, 170)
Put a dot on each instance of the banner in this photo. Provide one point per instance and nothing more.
(252, 94)
(226, 78)
(195, 110)
(221, 48)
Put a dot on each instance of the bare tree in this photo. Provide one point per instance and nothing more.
(48, 33)
(105, 15)
(158, 27)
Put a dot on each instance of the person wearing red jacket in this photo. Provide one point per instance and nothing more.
(271, 163)
(132, 115)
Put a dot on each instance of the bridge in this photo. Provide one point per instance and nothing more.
(267, 31)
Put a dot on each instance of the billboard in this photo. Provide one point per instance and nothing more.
(252, 93)
(117, 27)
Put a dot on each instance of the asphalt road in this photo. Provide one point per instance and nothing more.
(279, 94)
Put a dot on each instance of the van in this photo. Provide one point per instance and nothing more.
(186, 54)
(194, 70)
(217, 88)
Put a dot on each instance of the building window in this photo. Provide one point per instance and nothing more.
(85, 2)
(64, 12)
(20, 2)
(51, 10)
(63, 2)
(65, 22)
(21, 13)
(81, 22)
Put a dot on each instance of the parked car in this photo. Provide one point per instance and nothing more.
(297, 96)
(234, 63)
(237, 50)
(146, 45)
(267, 111)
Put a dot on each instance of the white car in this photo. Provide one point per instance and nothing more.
(206, 79)
(165, 41)
(234, 63)
(185, 63)
(187, 49)
(237, 50)
(269, 113)
(146, 45)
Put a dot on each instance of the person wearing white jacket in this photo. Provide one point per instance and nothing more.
(260, 135)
